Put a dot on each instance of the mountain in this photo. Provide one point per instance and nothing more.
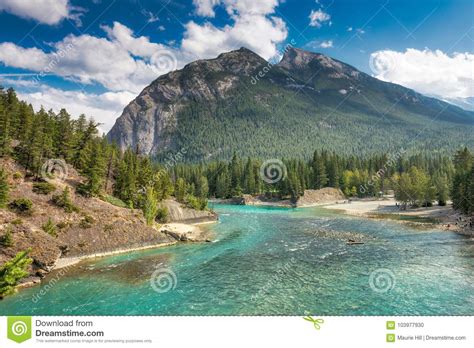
(239, 102)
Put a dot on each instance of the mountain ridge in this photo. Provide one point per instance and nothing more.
(239, 92)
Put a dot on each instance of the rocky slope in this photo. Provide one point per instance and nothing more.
(97, 227)
(239, 102)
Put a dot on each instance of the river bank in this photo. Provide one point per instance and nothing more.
(444, 217)
(268, 261)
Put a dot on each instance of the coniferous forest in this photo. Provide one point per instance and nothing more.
(136, 181)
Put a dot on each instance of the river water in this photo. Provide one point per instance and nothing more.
(272, 261)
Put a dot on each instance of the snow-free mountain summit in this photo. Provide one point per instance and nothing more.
(239, 102)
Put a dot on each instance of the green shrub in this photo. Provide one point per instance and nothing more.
(114, 201)
(43, 188)
(162, 215)
(7, 239)
(83, 190)
(22, 206)
(196, 203)
(87, 221)
(64, 201)
(50, 228)
(16, 221)
(4, 188)
(17, 176)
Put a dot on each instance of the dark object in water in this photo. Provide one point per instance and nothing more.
(352, 242)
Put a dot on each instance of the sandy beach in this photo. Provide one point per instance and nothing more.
(444, 217)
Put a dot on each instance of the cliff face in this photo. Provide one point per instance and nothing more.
(150, 121)
(179, 213)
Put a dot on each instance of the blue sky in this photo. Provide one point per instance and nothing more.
(94, 56)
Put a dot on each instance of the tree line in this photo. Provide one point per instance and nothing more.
(132, 180)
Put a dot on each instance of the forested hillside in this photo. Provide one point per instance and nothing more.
(133, 180)
(239, 103)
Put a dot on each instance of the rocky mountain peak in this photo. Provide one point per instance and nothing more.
(300, 62)
(295, 58)
(178, 99)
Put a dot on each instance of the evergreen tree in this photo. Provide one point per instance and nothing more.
(150, 206)
(50, 228)
(94, 170)
(180, 190)
(4, 188)
(7, 239)
(12, 271)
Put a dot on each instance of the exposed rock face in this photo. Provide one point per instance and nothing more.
(185, 233)
(179, 213)
(148, 122)
(322, 196)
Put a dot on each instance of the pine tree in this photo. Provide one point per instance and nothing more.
(4, 129)
(7, 239)
(321, 178)
(64, 137)
(163, 185)
(150, 206)
(4, 188)
(249, 178)
(12, 271)
(50, 228)
(180, 190)
(202, 190)
(94, 170)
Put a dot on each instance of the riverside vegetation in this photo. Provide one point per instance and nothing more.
(128, 179)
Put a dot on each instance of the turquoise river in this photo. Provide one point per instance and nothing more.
(272, 261)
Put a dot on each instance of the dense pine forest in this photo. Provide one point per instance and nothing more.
(131, 180)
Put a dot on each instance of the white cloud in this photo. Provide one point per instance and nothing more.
(138, 46)
(326, 44)
(318, 18)
(253, 27)
(104, 108)
(44, 11)
(121, 62)
(429, 72)
(124, 63)
(256, 32)
(205, 8)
